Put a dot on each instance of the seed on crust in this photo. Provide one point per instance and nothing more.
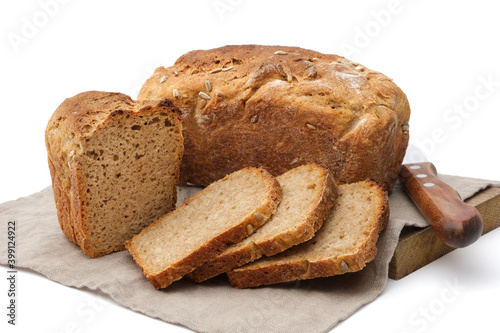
(254, 119)
(225, 69)
(258, 216)
(311, 126)
(208, 85)
(175, 93)
(203, 95)
(405, 128)
(281, 53)
(163, 79)
(344, 267)
(175, 71)
(202, 103)
(217, 70)
(250, 229)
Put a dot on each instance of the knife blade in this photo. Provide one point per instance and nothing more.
(455, 222)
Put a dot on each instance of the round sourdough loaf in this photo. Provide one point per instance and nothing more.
(279, 107)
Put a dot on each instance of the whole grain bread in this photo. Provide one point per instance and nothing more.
(309, 192)
(279, 107)
(345, 243)
(223, 213)
(114, 164)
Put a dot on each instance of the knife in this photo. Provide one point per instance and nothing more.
(456, 223)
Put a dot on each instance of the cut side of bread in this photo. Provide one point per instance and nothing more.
(345, 243)
(114, 164)
(223, 213)
(309, 192)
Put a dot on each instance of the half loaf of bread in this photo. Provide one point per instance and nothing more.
(309, 192)
(223, 213)
(114, 164)
(345, 243)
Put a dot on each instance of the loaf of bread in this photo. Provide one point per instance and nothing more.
(223, 213)
(309, 192)
(345, 243)
(114, 164)
(280, 107)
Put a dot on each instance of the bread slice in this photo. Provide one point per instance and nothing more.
(345, 243)
(309, 192)
(223, 213)
(114, 164)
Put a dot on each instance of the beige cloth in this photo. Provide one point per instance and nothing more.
(305, 306)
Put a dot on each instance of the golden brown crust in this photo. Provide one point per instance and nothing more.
(280, 107)
(279, 243)
(73, 122)
(63, 208)
(305, 269)
(217, 244)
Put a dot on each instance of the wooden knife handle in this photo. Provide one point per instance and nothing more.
(455, 222)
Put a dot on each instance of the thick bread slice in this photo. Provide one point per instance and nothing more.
(345, 243)
(223, 213)
(309, 192)
(114, 164)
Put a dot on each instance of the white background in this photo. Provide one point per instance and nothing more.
(443, 54)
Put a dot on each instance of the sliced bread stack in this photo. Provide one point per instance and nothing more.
(223, 213)
(300, 225)
(309, 192)
(345, 243)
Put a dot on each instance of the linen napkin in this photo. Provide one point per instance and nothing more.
(213, 306)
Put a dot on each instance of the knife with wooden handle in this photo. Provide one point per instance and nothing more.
(456, 223)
